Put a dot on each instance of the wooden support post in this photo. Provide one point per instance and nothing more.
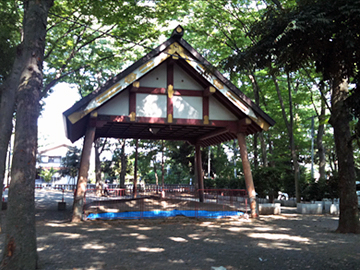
(83, 175)
(247, 173)
(199, 172)
(135, 168)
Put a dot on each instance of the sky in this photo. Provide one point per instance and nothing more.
(50, 124)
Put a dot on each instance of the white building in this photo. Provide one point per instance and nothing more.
(50, 157)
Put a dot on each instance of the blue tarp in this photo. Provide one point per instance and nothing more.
(164, 214)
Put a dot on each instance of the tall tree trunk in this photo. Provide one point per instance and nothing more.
(255, 143)
(271, 162)
(97, 167)
(7, 106)
(19, 251)
(257, 102)
(123, 165)
(319, 142)
(289, 127)
(263, 150)
(156, 176)
(162, 165)
(349, 213)
(135, 167)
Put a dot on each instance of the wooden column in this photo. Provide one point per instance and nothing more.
(83, 174)
(135, 168)
(199, 172)
(247, 173)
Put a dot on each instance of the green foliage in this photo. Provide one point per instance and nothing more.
(47, 174)
(112, 168)
(88, 42)
(10, 24)
(70, 164)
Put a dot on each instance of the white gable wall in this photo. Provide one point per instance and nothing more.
(118, 105)
(183, 81)
(156, 78)
(188, 107)
(151, 105)
(217, 111)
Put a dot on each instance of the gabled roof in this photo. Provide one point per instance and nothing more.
(76, 118)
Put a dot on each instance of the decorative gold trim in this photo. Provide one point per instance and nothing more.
(206, 119)
(94, 114)
(175, 57)
(178, 29)
(130, 78)
(132, 116)
(170, 90)
(170, 118)
(218, 84)
(147, 66)
(261, 122)
(136, 84)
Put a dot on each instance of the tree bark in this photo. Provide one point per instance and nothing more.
(257, 102)
(83, 175)
(162, 165)
(19, 251)
(135, 167)
(271, 151)
(319, 142)
(199, 172)
(247, 174)
(123, 165)
(7, 107)
(349, 213)
(156, 176)
(289, 127)
(263, 150)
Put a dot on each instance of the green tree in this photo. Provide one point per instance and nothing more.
(47, 174)
(70, 163)
(19, 251)
(290, 39)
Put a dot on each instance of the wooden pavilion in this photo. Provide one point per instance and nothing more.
(172, 93)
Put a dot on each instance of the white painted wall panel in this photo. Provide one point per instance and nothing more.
(183, 81)
(188, 107)
(151, 105)
(155, 78)
(217, 111)
(118, 105)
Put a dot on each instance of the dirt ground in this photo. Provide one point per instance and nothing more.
(286, 241)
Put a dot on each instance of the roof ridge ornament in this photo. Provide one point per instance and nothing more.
(178, 32)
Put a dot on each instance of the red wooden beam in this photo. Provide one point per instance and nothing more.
(132, 106)
(205, 110)
(151, 90)
(190, 93)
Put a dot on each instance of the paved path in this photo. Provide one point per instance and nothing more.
(46, 204)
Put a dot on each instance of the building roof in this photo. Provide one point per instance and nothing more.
(250, 118)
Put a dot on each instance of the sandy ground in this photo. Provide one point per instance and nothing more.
(286, 241)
